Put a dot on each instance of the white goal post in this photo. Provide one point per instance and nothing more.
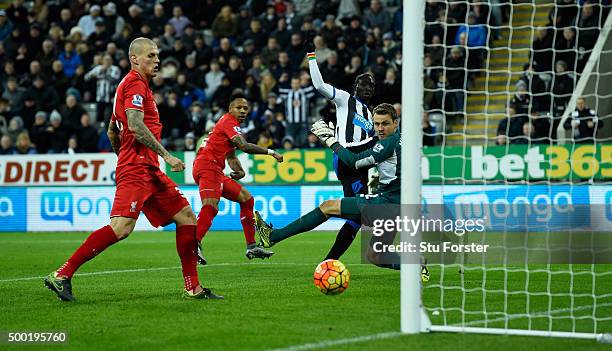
(418, 314)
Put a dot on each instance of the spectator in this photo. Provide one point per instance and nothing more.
(225, 24)
(542, 50)
(6, 26)
(88, 22)
(114, 23)
(70, 59)
(46, 98)
(377, 16)
(158, 20)
(354, 33)
(223, 93)
(186, 92)
(566, 48)
(134, 16)
(213, 79)
(15, 127)
(47, 55)
(29, 108)
(521, 99)
(527, 134)
(282, 66)
(72, 147)
(66, 22)
(297, 102)
(330, 31)
(268, 84)
(86, 135)
(287, 143)
(24, 146)
(536, 88)
(293, 20)
(296, 51)
(282, 35)
(178, 20)
(189, 142)
(6, 145)
(59, 81)
(224, 52)
(71, 111)
(584, 123)
(58, 134)
(255, 33)
(18, 14)
(107, 78)
(13, 93)
(562, 88)
(429, 130)
(511, 127)
(99, 38)
(39, 133)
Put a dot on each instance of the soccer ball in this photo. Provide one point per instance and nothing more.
(331, 277)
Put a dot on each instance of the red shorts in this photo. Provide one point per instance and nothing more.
(147, 189)
(213, 183)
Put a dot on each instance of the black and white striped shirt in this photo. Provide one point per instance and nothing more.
(107, 81)
(354, 126)
(297, 103)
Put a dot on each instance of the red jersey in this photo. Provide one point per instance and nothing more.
(133, 93)
(219, 142)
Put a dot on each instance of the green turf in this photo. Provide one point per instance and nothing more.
(269, 304)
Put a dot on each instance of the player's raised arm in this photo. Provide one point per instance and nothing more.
(241, 144)
(144, 136)
(327, 90)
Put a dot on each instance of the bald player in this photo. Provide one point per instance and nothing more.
(134, 132)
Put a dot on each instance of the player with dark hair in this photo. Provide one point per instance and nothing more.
(208, 167)
(134, 133)
(354, 131)
(384, 155)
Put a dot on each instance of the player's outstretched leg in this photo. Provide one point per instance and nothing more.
(207, 214)
(200, 254)
(268, 236)
(60, 281)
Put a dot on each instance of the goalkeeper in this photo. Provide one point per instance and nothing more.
(385, 155)
(353, 131)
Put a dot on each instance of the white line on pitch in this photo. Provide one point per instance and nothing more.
(330, 343)
(177, 267)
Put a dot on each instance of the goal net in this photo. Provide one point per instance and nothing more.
(517, 100)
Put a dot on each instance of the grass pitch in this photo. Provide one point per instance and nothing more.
(129, 297)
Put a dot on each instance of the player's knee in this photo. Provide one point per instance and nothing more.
(122, 231)
(186, 217)
(326, 206)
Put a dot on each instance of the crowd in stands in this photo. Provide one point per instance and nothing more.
(457, 38)
(62, 60)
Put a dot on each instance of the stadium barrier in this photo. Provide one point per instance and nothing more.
(87, 208)
(476, 163)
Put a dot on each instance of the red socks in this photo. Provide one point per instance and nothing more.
(95, 243)
(186, 246)
(247, 220)
(205, 219)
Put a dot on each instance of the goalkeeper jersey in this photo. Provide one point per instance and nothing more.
(386, 156)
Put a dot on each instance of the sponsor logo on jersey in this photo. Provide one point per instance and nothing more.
(137, 100)
(362, 122)
(378, 147)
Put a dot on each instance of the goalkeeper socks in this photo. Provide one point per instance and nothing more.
(247, 220)
(344, 239)
(95, 243)
(205, 219)
(307, 222)
(186, 246)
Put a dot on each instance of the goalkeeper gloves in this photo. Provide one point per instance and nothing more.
(324, 132)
